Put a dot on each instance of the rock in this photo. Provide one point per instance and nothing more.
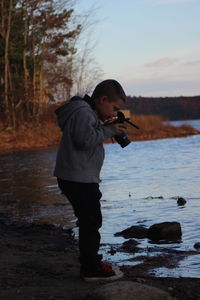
(165, 231)
(153, 197)
(197, 246)
(130, 246)
(127, 290)
(112, 251)
(181, 201)
(139, 232)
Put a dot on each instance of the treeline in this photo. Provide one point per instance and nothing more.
(38, 56)
(176, 108)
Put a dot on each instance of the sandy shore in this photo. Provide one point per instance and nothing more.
(40, 262)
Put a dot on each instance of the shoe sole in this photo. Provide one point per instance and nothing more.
(118, 274)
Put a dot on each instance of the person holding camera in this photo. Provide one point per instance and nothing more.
(80, 156)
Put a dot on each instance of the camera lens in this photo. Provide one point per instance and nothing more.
(122, 139)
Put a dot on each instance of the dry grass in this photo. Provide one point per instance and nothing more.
(154, 127)
(29, 137)
(48, 133)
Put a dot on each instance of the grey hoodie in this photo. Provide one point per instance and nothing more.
(80, 155)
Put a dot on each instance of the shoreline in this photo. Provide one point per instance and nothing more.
(44, 137)
(40, 261)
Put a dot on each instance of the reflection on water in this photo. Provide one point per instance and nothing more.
(29, 192)
(167, 168)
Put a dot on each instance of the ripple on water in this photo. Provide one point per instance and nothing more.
(167, 168)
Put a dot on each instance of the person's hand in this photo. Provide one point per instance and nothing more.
(119, 128)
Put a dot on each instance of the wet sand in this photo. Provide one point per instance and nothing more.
(40, 261)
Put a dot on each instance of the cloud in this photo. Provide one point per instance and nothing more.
(192, 63)
(166, 61)
(168, 76)
(161, 87)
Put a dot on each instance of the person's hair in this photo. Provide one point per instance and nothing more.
(110, 88)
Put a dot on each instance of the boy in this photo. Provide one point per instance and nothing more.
(79, 160)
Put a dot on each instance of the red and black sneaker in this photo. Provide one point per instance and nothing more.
(106, 266)
(103, 272)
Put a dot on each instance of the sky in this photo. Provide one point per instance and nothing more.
(152, 47)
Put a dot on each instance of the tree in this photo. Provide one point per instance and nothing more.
(35, 37)
(6, 18)
(85, 70)
(43, 55)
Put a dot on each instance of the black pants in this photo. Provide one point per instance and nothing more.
(85, 200)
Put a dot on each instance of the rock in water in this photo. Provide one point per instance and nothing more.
(139, 232)
(181, 201)
(130, 246)
(127, 290)
(197, 246)
(165, 231)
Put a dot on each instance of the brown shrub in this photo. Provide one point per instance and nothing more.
(30, 136)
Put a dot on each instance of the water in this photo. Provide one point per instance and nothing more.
(167, 168)
(193, 123)
(29, 192)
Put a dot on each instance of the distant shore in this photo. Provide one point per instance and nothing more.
(48, 134)
(29, 138)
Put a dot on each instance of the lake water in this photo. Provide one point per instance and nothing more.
(132, 178)
(194, 123)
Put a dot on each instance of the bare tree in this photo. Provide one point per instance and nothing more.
(86, 72)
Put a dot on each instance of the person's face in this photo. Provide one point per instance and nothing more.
(108, 109)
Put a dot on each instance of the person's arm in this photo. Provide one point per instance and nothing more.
(85, 131)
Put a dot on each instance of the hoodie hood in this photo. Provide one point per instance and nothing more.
(65, 111)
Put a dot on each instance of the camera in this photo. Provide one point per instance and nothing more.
(122, 139)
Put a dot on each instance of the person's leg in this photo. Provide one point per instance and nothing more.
(90, 219)
(85, 199)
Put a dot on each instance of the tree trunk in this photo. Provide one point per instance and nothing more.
(6, 64)
(2, 31)
(25, 49)
(12, 112)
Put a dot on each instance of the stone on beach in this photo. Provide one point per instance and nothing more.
(127, 290)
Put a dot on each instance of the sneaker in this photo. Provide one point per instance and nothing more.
(106, 266)
(103, 273)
